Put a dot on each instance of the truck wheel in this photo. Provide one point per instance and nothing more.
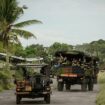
(60, 86)
(18, 99)
(90, 85)
(84, 85)
(47, 98)
(67, 86)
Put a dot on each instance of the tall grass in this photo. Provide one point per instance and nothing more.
(101, 95)
(101, 77)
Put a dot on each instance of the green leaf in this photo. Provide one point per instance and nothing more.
(26, 23)
(23, 33)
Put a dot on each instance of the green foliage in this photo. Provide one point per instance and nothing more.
(60, 71)
(59, 47)
(25, 23)
(23, 33)
(19, 74)
(1, 88)
(19, 50)
(5, 74)
(1, 47)
(95, 48)
(100, 100)
(101, 77)
(57, 70)
(10, 11)
(101, 97)
(47, 53)
(5, 80)
(35, 51)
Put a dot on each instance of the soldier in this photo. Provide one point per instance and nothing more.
(74, 62)
(61, 59)
(88, 72)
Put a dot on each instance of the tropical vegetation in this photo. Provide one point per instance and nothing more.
(100, 100)
(10, 30)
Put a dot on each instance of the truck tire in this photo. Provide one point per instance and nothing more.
(67, 86)
(60, 86)
(18, 99)
(84, 85)
(47, 98)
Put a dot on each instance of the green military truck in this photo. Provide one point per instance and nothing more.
(32, 81)
(75, 68)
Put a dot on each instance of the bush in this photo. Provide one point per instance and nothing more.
(1, 88)
(5, 79)
(101, 96)
(19, 74)
(101, 77)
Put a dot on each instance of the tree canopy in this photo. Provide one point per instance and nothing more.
(10, 12)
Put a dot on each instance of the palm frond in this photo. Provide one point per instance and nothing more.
(26, 23)
(23, 33)
(9, 10)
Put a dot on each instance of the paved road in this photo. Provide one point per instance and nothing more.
(73, 97)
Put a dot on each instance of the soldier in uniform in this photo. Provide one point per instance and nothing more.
(88, 72)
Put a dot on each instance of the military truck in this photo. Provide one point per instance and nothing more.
(74, 68)
(32, 81)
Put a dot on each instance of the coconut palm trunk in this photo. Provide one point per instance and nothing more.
(6, 47)
(7, 66)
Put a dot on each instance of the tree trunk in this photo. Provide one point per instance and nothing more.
(7, 67)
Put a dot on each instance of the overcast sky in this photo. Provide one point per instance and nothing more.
(65, 21)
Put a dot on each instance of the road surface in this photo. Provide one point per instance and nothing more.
(73, 97)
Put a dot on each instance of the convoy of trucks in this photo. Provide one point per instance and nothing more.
(70, 68)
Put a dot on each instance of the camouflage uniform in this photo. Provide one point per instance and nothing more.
(88, 71)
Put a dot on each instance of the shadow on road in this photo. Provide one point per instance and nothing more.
(76, 90)
(28, 102)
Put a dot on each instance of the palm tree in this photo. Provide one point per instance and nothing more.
(10, 12)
